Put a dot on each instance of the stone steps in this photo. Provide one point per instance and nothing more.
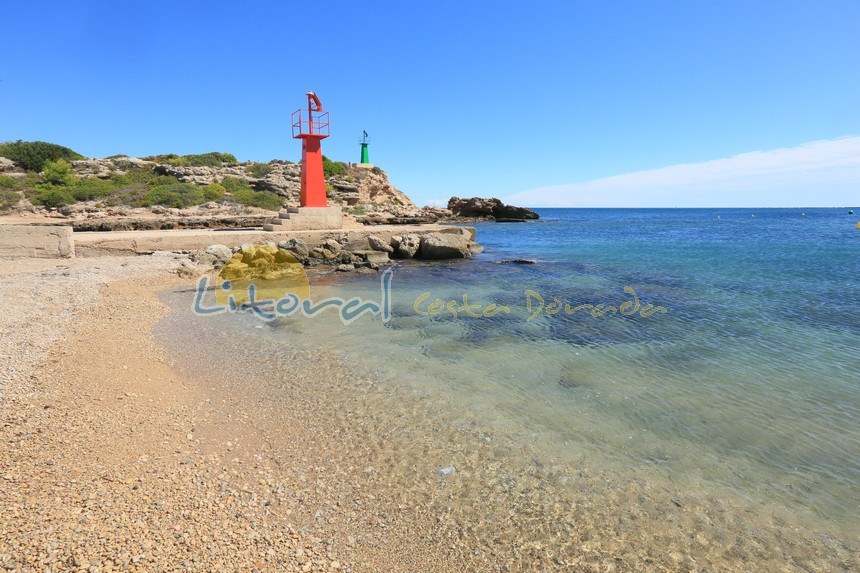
(306, 219)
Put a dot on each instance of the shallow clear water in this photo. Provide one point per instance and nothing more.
(746, 388)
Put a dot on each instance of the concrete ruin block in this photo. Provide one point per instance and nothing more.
(36, 241)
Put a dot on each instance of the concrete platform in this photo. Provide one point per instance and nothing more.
(306, 219)
(93, 244)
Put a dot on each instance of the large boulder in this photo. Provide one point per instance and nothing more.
(480, 208)
(444, 246)
(221, 253)
(378, 244)
(295, 246)
(7, 165)
(407, 246)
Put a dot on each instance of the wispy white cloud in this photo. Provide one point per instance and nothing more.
(436, 203)
(820, 173)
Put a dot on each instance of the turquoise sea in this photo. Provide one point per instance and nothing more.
(740, 404)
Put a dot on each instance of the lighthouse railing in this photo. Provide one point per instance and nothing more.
(317, 123)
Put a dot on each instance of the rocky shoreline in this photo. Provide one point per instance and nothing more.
(364, 255)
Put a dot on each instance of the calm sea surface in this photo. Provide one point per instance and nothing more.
(746, 388)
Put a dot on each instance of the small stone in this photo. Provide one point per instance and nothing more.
(445, 472)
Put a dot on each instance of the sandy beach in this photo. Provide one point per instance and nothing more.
(114, 460)
(102, 467)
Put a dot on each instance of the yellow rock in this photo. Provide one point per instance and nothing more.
(273, 272)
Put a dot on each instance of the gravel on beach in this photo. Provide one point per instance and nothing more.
(100, 466)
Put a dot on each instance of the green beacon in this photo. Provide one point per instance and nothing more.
(364, 154)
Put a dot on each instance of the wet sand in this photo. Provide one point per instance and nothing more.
(125, 451)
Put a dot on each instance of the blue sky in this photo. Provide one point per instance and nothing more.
(499, 99)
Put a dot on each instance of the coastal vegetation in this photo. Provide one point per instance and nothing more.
(33, 155)
(333, 168)
(42, 176)
(48, 178)
(211, 159)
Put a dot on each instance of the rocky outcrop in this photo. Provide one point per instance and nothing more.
(365, 191)
(105, 167)
(7, 165)
(365, 254)
(480, 208)
(447, 246)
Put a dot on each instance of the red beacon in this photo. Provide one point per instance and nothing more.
(312, 128)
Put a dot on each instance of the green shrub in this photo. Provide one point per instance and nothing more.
(177, 195)
(211, 159)
(33, 155)
(234, 184)
(8, 199)
(58, 172)
(54, 199)
(92, 188)
(161, 180)
(213, 192)
(333, 168)
(259, 169)
(164, 158)
(376, 170)
(261, 199)
(7, 182)
(141, 174)
(133, 195)
(120, 180)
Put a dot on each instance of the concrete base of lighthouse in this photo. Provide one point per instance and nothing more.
(306, 219)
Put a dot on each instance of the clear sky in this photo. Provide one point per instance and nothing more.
(460, 98)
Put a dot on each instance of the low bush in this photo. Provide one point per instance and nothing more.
(54, 198)
(162, 180)
(261, 199)
(214, 192)
(33, 155)
(133, 195)
(211, 159)
(142, 174)
(234, 184)
(7, 182)
(92, 188)
(8, 199)
(177, 195)
(163, 158)
(259, 169)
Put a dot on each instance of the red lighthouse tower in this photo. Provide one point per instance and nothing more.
(313, 212)
(312, 129)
